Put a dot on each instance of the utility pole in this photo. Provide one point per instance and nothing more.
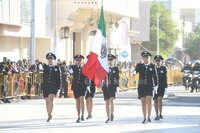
(158, 43)
(55, 31)
(182, 48)
(32, 45)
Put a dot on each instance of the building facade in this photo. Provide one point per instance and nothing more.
(66, 27)
(15, 21)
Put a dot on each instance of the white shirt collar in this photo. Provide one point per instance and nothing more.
(51, 65)
(146, 64)
(158, 66)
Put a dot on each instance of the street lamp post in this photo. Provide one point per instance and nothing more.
(32, 44)
(183, 41)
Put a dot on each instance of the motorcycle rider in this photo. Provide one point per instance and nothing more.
(196, 67)
(186, 69)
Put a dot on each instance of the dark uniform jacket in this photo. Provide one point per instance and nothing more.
(147, 75)
(52, 76)
(113, 77)
(162, 77)
(79, 80)
(112, 81)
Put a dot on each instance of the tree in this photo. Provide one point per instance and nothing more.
(192, 43)
(168, 30)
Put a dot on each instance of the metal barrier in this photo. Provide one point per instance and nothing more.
(174, 76)
(22, 84)
(10, 84)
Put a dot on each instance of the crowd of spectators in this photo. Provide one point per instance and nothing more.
(11, 67)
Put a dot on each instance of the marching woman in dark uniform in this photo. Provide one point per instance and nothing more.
(147, 82)
(89, 96)
(110, 87)
(78, 86)
(51, 83)
(162, 85)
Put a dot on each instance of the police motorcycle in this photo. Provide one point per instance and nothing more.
(196, 81)
(187, 76)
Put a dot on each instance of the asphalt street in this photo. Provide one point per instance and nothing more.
(181, 114)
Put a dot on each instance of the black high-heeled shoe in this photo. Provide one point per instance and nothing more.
(78, 120)
(161, 117)
(89, 117)
(82, 118)
(144, 121)
(149, 120)
(157, 118)
(111, 117)
(107, 121)
(49, 117)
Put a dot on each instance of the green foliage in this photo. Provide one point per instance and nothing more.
(168, 30)
(192, 44)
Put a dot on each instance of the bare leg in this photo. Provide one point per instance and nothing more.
(91, 106)
(78, 106)
(82, 105)
(112, 105)
(143, 101)
(51, 97)
(149, 105)
(156, 106)
(160, 104)
(112, 108)
(88, 105)
(107, 108)
(47, 104)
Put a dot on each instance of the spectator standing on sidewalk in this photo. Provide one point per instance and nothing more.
(64, 73)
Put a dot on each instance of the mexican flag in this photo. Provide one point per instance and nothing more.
(97, 67)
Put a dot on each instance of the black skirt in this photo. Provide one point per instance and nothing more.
(78, 90)
(161, 92)
(49, 90)
(109, 92)
(90, 94)
(145, 91)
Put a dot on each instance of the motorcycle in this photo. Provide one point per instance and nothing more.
(187, 79)
(195, 81)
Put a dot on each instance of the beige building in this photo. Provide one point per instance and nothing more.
(66, 27)
(15, 17)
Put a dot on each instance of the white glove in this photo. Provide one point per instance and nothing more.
(71, 71)
(88, 89)
(155, 89)
(40, 67)
(58, 93)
